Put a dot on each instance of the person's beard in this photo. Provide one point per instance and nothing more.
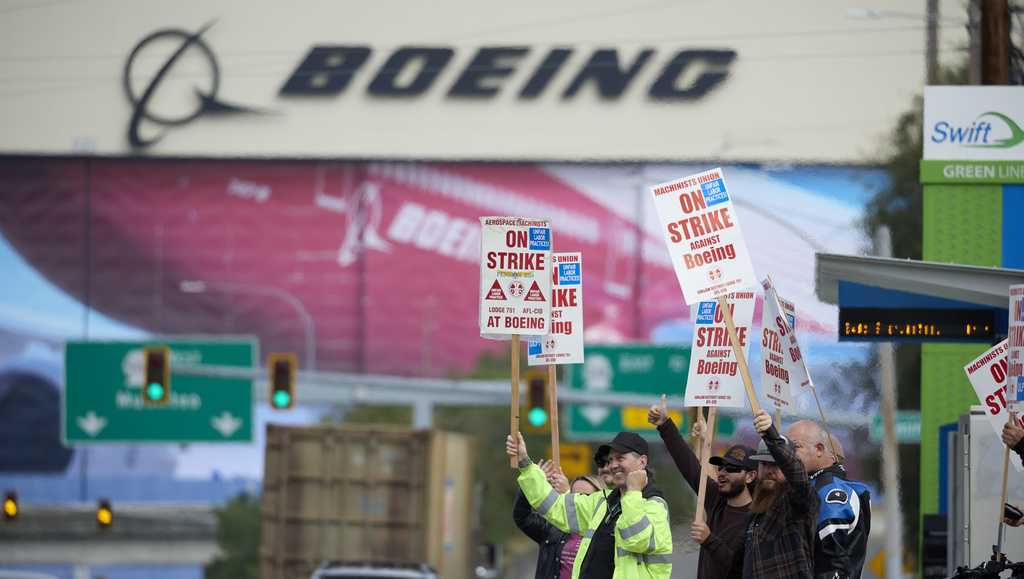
(767, 491)
(733, 489)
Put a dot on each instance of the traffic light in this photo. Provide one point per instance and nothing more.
(156, 387)
(10, 506)
(104, 514)
(537, 416)
(282, 369)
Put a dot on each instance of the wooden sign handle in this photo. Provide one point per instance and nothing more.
(741, 359)
(514, 411)
(553, 413)
(705, 466)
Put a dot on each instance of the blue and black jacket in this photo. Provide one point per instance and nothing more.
(844, 522)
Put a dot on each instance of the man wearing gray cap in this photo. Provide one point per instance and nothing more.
(779, 540)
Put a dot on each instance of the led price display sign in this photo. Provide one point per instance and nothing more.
(916, 324)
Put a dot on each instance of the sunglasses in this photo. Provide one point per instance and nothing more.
(733, 469)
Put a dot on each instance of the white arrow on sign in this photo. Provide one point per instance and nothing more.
(226, 424)
(595, 414)
(91, 424)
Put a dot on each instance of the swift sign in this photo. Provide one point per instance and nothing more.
(984, 123)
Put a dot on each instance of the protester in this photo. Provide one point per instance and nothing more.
(625, 532)
(844, 505)
(726, 502)
(604, 467)
(1013, 436)
(557, 549)
(779, 540)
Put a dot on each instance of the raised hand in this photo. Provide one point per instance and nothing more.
(636, 480)
(762, 422)
(556, 477)
(699, 427)
(658, 413)
(699, 532)
(514, 447)
(1012, 431)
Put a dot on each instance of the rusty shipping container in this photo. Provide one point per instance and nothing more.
(365, 494)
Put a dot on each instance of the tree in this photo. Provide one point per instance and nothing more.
(238, 536)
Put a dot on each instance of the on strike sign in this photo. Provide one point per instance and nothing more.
(564, 345)
(515, 276)
(782, 361)
(1015, 356)
(987, 374)
(714, 378)
(703, 236)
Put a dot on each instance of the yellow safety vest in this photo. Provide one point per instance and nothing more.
(643, 539)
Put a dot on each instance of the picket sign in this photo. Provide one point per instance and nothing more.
(515, 288)
(564, 343)
(710, 258)
(783, 364)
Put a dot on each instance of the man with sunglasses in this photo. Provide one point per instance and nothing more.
(727, 502)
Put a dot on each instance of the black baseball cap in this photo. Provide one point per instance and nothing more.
(622, 443)
(737, 455)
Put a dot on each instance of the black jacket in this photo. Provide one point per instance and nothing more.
(843, 526)
(546, 535)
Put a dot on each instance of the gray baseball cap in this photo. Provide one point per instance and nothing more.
(762, 454)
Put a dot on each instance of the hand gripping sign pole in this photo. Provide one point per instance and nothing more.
(515, 285)
(564, 343)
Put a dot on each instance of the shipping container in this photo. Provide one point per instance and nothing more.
(365, 494)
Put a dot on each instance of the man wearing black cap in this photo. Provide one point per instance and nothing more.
(779, 541)
(727, 502)
(625, 532)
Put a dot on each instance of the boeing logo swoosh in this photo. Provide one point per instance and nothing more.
(206, 102)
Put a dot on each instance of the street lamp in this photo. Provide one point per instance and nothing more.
(201, 286)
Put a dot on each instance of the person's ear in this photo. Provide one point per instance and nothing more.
(750, 476)
(643, 460)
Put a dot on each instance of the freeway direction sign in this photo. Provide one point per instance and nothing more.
(638, 369)
(103, 393)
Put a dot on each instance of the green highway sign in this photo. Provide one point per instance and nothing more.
(634, 369)
(103, 400)
(908, 427)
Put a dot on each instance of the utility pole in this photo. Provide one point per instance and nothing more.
(890, 444)
(995, 42)
(974, 42)
(932, 42)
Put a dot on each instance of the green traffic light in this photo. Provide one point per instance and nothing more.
(155, 391)
(281, 399)
(537, 417)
